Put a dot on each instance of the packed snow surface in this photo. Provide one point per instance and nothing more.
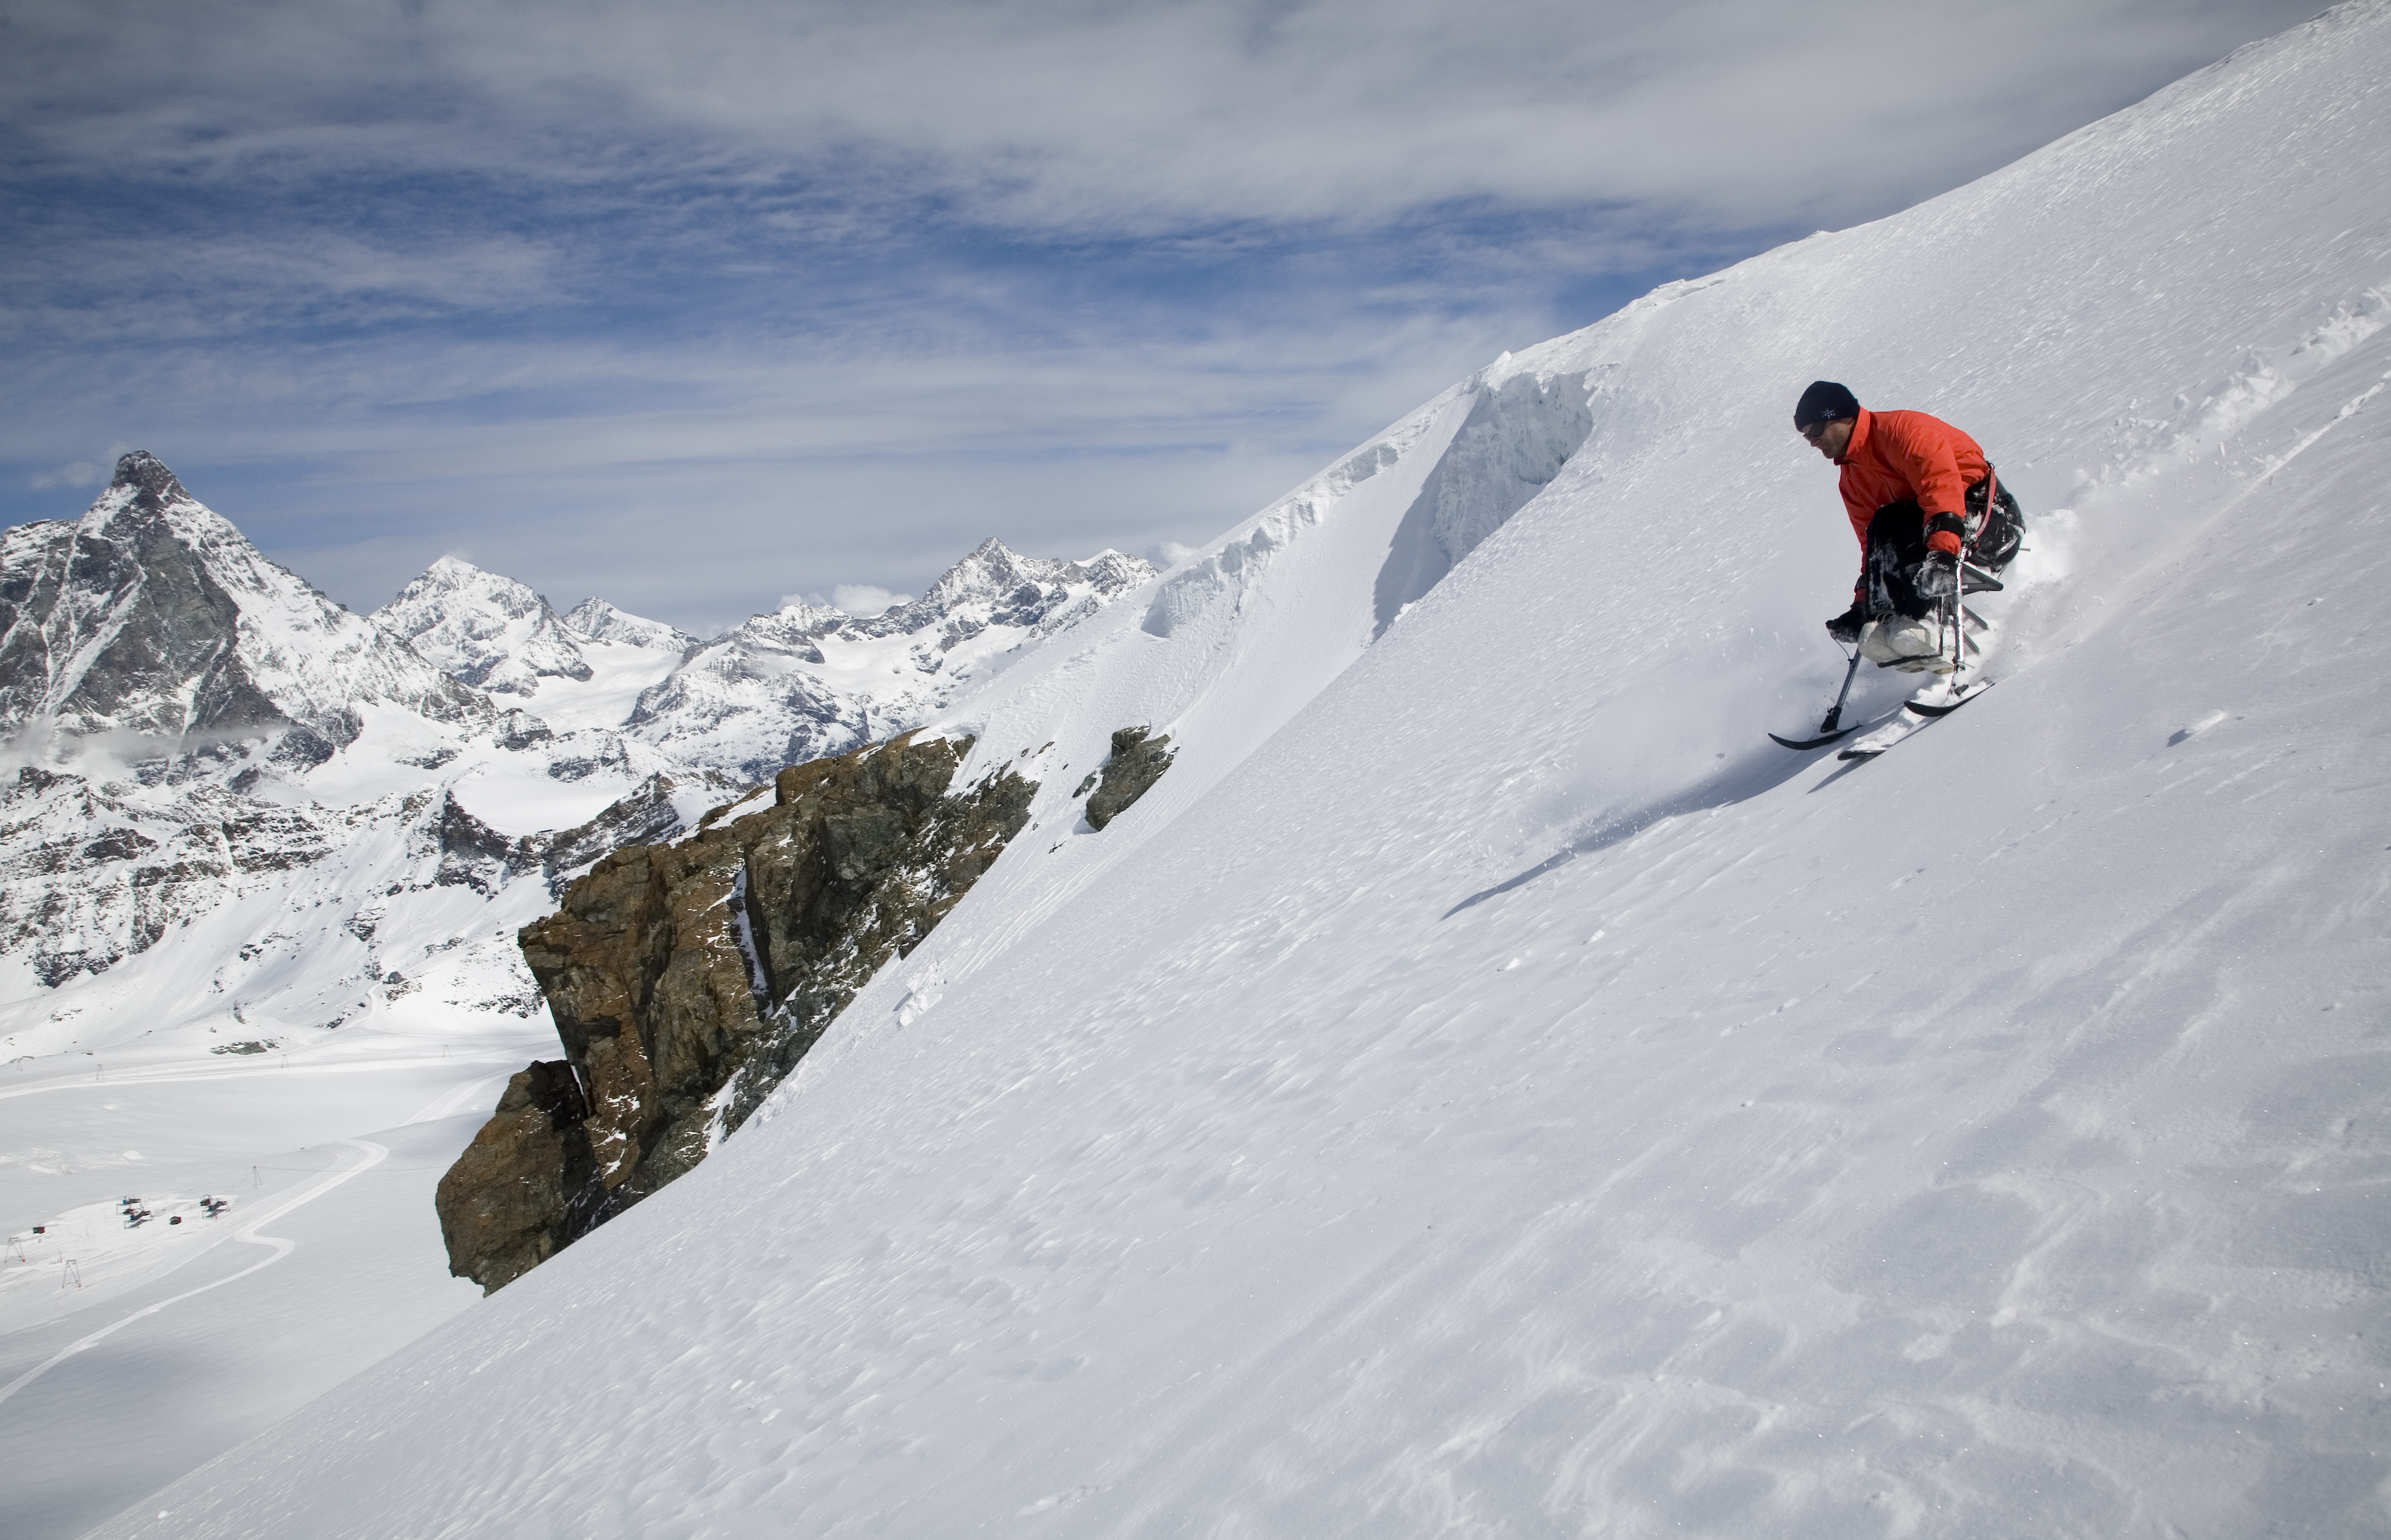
(1487, 1087)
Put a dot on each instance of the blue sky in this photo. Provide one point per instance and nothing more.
(694, 307)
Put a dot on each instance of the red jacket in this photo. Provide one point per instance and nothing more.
(1909, 457)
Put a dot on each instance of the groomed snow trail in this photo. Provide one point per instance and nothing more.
(252, 1234)
(145, 1395)
(1519, 1099)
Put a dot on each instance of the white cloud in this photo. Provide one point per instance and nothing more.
(76, 473)
(860, 599)
(1071, 115)
(864, 599)
(554, 277)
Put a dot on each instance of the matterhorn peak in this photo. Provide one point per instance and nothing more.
(153, 617)
(144, 488)
(147, 475)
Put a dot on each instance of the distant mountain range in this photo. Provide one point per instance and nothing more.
(219, 773)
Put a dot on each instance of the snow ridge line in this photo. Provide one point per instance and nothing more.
(374, 1155)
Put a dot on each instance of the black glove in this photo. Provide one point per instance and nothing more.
(1938, 576)
(1846, 627)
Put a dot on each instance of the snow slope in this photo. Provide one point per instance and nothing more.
(260, 868)
(1500, 1093)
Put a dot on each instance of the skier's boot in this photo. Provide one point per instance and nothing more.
(1901, 642)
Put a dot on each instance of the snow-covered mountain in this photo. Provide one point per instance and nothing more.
(801, 683)
(596, 620)
(1487, 1087)
(582, 672)
(809, 681)
(188, 724)
(196, 734)
(487, 631)
(152, 619)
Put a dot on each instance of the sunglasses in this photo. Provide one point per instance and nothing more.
(1815, 430)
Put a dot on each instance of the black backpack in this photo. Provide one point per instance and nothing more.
(1992, 536)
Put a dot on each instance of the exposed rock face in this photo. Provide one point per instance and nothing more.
(490, 632)
(491, 1207)
(90, 875)
(152, 617)
(687, 980)
(475, 855)
(1136, 763)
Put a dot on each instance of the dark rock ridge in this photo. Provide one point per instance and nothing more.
(1136, 763)
(687, 980)
(475, 855)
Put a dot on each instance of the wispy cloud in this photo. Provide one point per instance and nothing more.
(1067, 114)
(846, 288)
(75, 473)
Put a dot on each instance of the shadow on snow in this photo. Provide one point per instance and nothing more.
(1735, 784)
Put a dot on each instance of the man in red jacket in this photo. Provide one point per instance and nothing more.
(1920, 494)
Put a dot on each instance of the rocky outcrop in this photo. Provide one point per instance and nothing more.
(1136, 763)
(491, 1208)
(686, 979)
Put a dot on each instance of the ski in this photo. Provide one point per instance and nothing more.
(1827, 731)
(1832, 734)
(1947, 707)
(1865, 750)
(1813, 742)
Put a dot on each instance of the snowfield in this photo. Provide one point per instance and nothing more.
(262, 866)
(1488, 1089)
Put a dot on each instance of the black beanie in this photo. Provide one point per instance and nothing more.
(1824, 402)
